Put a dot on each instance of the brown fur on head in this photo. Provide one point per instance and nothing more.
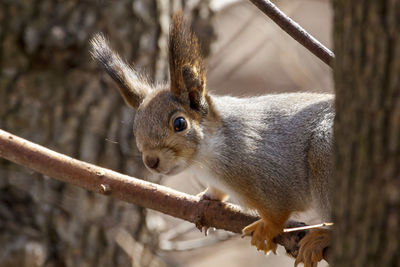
(168, 121)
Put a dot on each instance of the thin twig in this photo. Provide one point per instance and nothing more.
(308, 227)
(166, 200)
(295, 31)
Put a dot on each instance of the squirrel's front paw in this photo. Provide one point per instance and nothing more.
(261, 236)
(213, 194)
(312, 247)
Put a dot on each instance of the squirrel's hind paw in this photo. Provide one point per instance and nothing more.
(261, 237)
(312, 247)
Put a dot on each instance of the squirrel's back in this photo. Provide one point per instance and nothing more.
(274, 143)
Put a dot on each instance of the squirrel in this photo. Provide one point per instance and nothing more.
(272, 152)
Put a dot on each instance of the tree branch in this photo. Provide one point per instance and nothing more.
(100, 180)
(295, 31)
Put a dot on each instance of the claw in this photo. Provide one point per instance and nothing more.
(205, 229)
(260, 237)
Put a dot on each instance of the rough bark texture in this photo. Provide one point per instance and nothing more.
(52, 93)
(367, 132)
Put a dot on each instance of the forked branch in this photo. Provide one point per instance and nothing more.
(153, 196)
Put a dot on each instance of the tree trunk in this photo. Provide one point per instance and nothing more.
(52, 93)
(367, 133)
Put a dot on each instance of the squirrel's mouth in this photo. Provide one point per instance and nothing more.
(164, 170)
(174, 170)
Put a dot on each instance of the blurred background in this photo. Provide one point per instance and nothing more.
(52, 93)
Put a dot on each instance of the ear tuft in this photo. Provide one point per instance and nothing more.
(132, 86)
(194, 85)
(192, 79)
(187, 69)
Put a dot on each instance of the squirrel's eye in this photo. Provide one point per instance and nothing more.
(180, 124)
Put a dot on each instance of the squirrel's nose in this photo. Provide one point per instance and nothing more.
(152, 162)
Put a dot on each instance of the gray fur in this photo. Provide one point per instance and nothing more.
(279, 146)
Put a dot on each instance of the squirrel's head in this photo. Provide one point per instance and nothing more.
(168, 118)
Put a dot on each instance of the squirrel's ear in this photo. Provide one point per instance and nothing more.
(132, 86)
(195, 87)
(187, 70)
